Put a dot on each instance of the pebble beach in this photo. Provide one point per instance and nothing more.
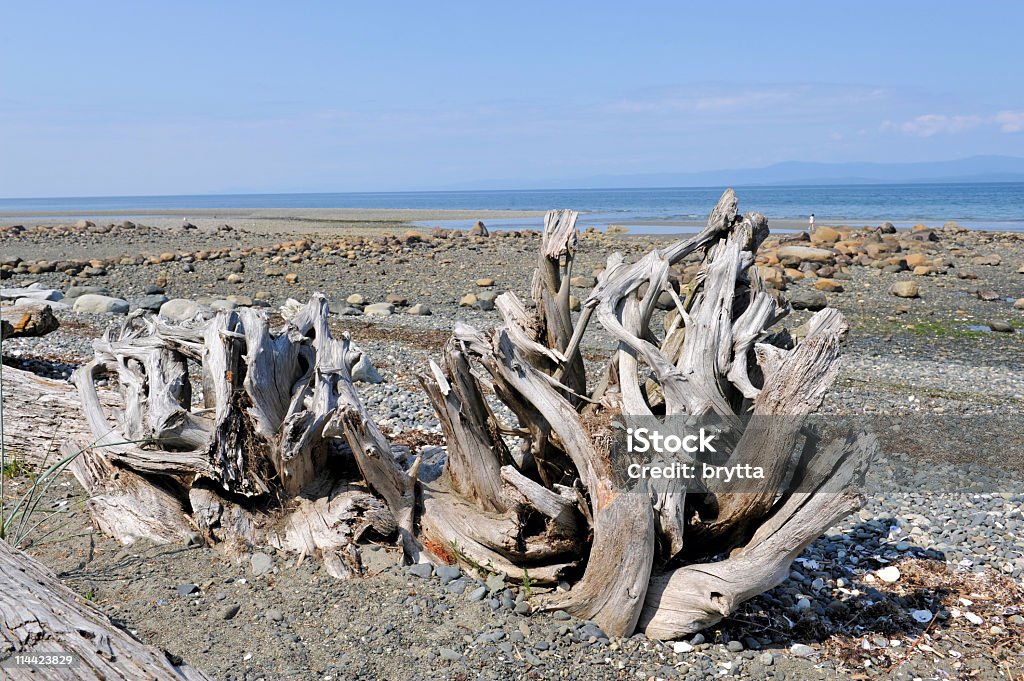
(926, 581)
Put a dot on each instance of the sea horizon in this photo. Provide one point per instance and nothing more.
(981, 205)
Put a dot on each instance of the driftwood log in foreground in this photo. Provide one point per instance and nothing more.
(38, 614)
(267, 453)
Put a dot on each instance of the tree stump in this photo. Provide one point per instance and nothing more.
(279, 450)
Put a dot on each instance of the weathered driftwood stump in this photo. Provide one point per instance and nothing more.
(553, 505)
(257, 460)
(251, 462)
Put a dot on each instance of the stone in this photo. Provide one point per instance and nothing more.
(806, 254)
(356, 299)
(240, 300)
(574, 304)
(275, 615)
(84, 224)
(616, 229)
(32, 292)
(152, 302)
(235, 278)
(291, 278)
(991, 260)
(1019, 304)
(97, 304)
(825, 235)
(420, 310)
(681, 647)
(379, 310)
(582, 281)
(495, 582)
(478, 593)
(829, 285)
(76, 291)
(350, 311)
(365, 372)
(484, 304)
(468, 300)
(29, 318)
(222, 305)
(179, 310)
(261, 563)
(905, 289)
(397, 300)
(229, 611)
(808, 300)
(802, 650)
(422, 570)
(186, 589)
(448, 573)
(889, 574)
(1001, 327)
(485, 282)
(479, 229)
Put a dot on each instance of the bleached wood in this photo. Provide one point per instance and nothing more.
(38, 614)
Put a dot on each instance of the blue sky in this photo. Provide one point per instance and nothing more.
(114, 98)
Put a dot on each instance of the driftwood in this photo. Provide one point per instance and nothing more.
(273, 446)
(40, 615)
(250, 457)
(646, 557)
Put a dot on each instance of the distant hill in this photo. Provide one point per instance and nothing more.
(973, 169)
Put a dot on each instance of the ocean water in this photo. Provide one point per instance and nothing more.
(983, 206)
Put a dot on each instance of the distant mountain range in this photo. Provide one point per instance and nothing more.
(973, 169)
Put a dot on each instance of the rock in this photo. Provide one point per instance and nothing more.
(806, 254)
(76, 291)
(479, 229)
(28, 318)
(616, 229)
(222, 305)
(681, 647)
(5, 329)
(987, 296)
(365, 372)
(889, 574)
(830, 285)
(905, 289)
(275, 615)
(84, 224)
(825, 235)
(179, 310)
(152, 302)
(97, 304)
(574, 304)
(356, 299)
(230, 611)
(448, 573)
(921, 616)
(582, 281)
(186, 589)
(1019, 304)
(447, 653)
(990, 260)
(235, 278)
(422, 570)
(261, 563)
(485, 304)
(350, 311)
(478, 593)
(1001, 327)
(240, 300)
(379, 310)
(420, 310)
(802, 650)
(468, 300)
(291, 278)
(32, 292)
(495, 582)
(808, 300)
(273, 272)
(397, 300)
(887, 228)
(485, 282)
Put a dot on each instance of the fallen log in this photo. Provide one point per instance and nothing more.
(40, 615)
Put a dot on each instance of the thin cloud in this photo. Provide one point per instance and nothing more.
(929, 125)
